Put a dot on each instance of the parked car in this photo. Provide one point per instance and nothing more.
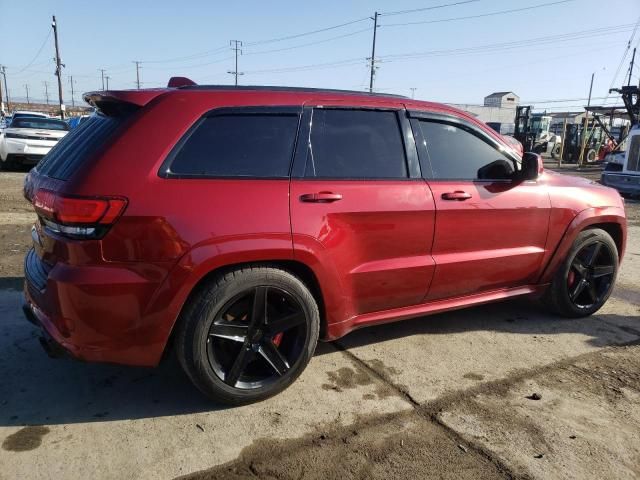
(27, 114)
(240, 225)
(27, 139)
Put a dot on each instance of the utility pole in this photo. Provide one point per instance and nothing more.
(46, 91)
(26, 87)
(1, 97)
(237, 47)
(633, 57)
(102, 70)
(373, 52)
(73, 100)
(107, 77)
(413, 92)
(586, 122)
(3, 70)
(137, 73)
(59, 66)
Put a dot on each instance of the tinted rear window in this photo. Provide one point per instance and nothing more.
(238, 145)
(78, 146)
(355, 144)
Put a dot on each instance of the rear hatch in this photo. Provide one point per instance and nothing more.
(69, 226)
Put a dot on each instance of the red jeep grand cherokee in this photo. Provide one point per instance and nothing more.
(239, 225)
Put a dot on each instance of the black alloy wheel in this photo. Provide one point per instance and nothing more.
(247, 334)
(591, 274)
(256, 337)
(583, 282)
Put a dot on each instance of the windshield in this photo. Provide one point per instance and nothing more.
(39, 123)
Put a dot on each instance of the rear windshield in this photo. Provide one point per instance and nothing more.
(39, 123)
(78, 146)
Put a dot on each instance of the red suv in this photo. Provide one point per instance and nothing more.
(239, 225)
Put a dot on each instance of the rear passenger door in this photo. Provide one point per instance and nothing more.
(491, 230)
(359, 207)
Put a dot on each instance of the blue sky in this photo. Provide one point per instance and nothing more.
(161, 34)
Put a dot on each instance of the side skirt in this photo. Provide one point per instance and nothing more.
(338, 330)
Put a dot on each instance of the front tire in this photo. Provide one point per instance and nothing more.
(584, 281)
(248, 334)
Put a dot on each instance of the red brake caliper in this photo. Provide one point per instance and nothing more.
(277, 339)
(571, 278)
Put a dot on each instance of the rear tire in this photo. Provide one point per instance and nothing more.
(248, 334)
(584, 281)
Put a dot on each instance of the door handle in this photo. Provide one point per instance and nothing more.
(457, 195)
(321, 197)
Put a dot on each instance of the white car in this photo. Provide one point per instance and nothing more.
(26, 140)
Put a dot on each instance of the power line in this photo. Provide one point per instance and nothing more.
(189, 57)
(198, 65)
(312, 32)
(482, 15)
(481, 49)
(36, 55)
(565, 37)
(402, 12)
(260, 52)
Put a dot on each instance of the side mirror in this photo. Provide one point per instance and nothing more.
(532, 166)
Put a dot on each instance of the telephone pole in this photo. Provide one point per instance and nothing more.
(373, 51)
(73, 100)
(46, 91)
(1, 96)
(26, 87)
(59, 66)
(137, 73)
(102, 70)
(3, 70)
(107, 77)
(413, 92)
(237, 46)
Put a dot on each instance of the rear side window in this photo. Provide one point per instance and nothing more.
(355, 144)
(238, 145)
(78, 146)
(456, 153)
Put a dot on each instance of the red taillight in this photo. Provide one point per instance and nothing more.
(78, 210)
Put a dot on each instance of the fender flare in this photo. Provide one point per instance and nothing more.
(584, 219)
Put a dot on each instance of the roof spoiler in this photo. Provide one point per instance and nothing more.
(177, 82)
(117, 102)
(121, 101)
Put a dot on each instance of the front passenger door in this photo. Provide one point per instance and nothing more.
(490, 230)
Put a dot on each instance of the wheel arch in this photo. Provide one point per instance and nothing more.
(294, 267)
(610, 219)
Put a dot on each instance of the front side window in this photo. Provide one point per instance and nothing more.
(238, 145)
(355, 144)
(456, 153)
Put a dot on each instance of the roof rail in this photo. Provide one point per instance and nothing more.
(283, 89)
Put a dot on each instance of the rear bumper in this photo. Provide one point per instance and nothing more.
(623, 182)
(95, 313)
(48, 343)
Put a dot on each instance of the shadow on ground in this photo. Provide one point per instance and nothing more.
(38, 390)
